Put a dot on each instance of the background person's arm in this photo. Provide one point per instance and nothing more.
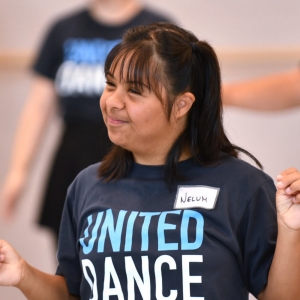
(32, 123)
(274, 92)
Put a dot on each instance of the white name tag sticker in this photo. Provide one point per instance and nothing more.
(196, 196)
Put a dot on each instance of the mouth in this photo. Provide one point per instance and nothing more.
(115, 121)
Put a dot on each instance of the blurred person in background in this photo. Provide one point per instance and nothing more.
(68, 73)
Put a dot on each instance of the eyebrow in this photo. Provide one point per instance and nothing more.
(140, 83)
(109, 74)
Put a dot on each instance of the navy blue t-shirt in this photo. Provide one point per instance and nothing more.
(212, 237)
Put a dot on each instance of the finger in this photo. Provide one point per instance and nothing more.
(3, 245)
(293, 188)
(288, 171)
(287, 180)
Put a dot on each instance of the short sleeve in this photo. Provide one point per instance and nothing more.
(67, 255)
(258, 234)
(50, 53)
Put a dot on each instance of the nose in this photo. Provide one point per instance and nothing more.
(115, 99)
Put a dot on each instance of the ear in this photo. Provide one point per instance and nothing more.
(183, 103)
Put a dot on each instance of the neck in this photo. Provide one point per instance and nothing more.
(157, 160)
(114, 12)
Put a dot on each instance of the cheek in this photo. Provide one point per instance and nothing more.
(152, 120)
(102, 103)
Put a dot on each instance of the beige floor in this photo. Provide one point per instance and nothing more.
(272, 137)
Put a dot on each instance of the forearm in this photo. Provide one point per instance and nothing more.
(274, 92)
(37, 285)
(284, 274)
(32, 124)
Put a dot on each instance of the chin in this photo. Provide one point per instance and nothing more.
(117, 141)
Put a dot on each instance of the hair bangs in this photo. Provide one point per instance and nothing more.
(138, 66)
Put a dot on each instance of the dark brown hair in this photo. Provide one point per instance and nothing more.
(163, 54)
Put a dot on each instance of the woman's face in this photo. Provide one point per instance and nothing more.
(136, 120)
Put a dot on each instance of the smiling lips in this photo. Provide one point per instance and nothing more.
(115, 121)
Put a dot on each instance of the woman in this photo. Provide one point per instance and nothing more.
(171, 212)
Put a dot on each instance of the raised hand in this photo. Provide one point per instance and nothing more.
(288, 198)
(11, 265)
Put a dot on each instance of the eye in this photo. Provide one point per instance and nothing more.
(134, 91)
(109, 83)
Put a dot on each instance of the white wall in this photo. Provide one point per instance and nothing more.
(231, 24)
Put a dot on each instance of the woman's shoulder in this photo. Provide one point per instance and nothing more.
(247, 168)
(244, 174)
(229, 170)
(90, 171)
